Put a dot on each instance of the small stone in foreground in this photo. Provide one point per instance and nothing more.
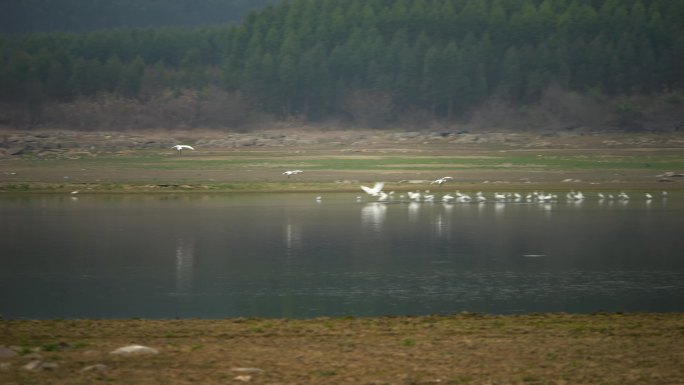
(135, 349)
(247, 370)
(38, 365)
(6, 352)
(94, 367)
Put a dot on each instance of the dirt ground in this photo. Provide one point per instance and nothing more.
(459, 349)
(96, 161)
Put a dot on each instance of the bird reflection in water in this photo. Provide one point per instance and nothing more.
(292, 236)
(413, 209)
(185, 263)
(373, 216)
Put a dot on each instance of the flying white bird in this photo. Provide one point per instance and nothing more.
(375, 191)
(292, 172)
(441, 180)
(180, 148)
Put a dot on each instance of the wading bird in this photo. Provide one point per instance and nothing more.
(414, 195)
(180, 148)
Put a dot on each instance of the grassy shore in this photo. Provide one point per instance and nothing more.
(460, 349)
(341, 162)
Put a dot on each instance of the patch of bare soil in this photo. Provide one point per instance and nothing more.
(461, 349)
(22, 151)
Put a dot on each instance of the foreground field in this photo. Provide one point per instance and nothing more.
(461, 349)
(337, 161)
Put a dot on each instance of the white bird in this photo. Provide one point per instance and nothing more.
(499, 197)
(292, 172)
(447, 198)
(319, 198)
(649, 196)
(180, 148)
(414, 195)
(375, 191)
(441, 180)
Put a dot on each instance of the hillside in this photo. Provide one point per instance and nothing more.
(371, 63)
(32, 16)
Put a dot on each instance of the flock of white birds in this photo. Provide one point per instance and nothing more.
(479, 197)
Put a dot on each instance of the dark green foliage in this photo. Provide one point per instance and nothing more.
(28, 16)
(310, 57)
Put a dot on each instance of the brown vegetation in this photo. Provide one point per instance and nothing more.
(216, 109)
(462, 349)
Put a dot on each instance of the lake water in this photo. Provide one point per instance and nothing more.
(287, 255)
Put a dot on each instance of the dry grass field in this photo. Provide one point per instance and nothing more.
(460, 349)
(53, 161)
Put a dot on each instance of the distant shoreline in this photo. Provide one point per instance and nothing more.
(52, 161)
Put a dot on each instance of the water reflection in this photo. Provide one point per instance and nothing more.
(373, 216)
(413, 211)
(185, 260)
(293, 236)
(232, 255)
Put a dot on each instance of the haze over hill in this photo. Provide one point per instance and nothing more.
(559, 64)
(31, 16)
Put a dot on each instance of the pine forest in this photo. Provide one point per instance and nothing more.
(371, 63)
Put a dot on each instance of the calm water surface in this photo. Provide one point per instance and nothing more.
(286, 255)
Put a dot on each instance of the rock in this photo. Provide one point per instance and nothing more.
(7, 352)
(5, 365)
(670, 174)
(97, 367)
(134, 349)
(15, 151)
(243, 378)
(247, 370)
(39, 365)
